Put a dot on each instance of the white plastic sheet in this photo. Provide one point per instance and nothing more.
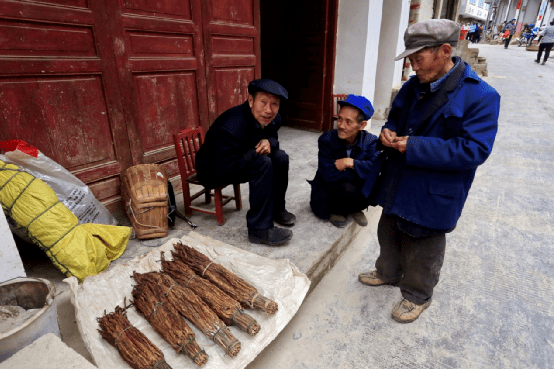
(279, 280)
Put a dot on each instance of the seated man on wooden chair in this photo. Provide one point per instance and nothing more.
(345, 174)
(242, 146)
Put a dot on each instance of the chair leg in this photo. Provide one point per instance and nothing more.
(186, 199)
(218, 202)
(238, 198)
(207, 196)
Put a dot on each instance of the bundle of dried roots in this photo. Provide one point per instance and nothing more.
(133, 346)
(165, 320)
(188, 304)
(227, 308)
(233, 285)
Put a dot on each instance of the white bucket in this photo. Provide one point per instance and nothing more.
(29, 293)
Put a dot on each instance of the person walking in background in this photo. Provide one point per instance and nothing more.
(478, 34)
(511, 27)
(547, 42)
(470, 33)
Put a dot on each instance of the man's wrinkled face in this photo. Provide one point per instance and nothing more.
(347, 123)
(264, 107)
(428, 64)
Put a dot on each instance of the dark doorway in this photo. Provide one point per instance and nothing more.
(298, 50)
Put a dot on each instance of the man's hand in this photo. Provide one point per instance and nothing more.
(263, 147)
(400, 144)
(344, 163)
(389, 139)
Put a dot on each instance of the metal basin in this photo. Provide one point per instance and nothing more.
(29, 293)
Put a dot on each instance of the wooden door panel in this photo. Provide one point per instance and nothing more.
(237, 78)
(57, 79)
(65, 117)
(161, 72)
(306, 65)
(168, 102)
(233, 11)
(232, 46)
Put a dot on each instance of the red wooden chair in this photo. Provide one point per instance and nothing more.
(187, 144)
(336, 106)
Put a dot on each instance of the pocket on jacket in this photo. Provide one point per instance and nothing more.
(446, 189)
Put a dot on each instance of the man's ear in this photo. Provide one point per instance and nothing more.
(446, 49)
(250, 101)
(363, 124)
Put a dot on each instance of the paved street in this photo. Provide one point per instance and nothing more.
(494, 305)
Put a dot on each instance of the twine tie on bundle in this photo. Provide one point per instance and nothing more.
(156, 306)
(206, 268)
(118, 337)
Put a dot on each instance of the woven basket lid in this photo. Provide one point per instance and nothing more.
(146, 183)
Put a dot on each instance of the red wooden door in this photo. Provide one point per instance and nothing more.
(59, 88)
(311, 37)
(100, 85)
(232, 46)
(159, 55)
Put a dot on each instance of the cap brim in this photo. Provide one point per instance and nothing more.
(409, 52)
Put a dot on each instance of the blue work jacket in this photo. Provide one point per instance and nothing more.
(331, 148)
(429, 184)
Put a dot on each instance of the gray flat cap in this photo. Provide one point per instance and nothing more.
(432, 32)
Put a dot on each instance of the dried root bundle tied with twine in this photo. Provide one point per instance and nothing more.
(195, 310)
(233, 285)
(227, 308)
(165, 320)
(133, 346)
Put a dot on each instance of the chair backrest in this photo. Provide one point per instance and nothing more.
(187, 143)
(336, 106)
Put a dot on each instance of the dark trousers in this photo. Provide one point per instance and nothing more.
(546, 48)
(268, 179)
(414, 263)
(344, 198)
(507, 41)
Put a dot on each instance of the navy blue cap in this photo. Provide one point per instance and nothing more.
(267, 85)
(361, 103)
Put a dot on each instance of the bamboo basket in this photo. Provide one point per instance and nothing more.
(150, 222)
(147, 183)
(227, 309)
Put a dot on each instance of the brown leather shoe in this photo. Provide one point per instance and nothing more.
(338, 220)
(373, 279)
(406, 311)
(359, 218)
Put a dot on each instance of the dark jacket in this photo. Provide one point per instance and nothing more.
(229, 145)
(429, 184)
(331, 148)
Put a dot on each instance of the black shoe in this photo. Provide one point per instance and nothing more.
(537, 61)
(273, 236)
(284, 218)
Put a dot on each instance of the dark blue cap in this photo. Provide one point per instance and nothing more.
(267, 85)
(361, 103)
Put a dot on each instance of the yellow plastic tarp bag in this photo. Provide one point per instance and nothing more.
(77, 250)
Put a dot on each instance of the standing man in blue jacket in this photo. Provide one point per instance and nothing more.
(242, 146)
(344, 178)
(441, 127)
